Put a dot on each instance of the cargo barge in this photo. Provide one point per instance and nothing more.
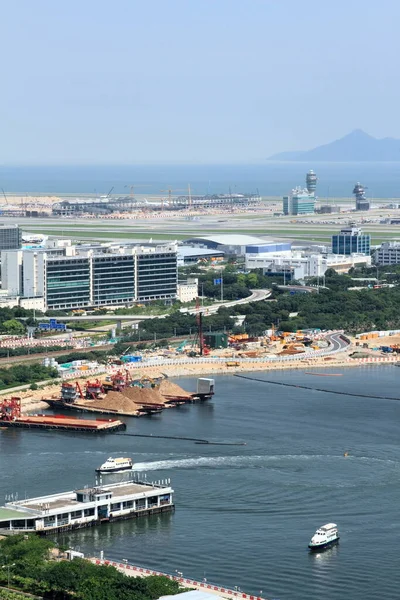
(10, 417)
(59, 404)
(87, 507)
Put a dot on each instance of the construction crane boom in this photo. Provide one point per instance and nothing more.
(5, 197)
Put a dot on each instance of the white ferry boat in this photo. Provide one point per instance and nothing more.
(324, 537)
(116, 465)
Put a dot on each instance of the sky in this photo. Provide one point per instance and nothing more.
(192, 81)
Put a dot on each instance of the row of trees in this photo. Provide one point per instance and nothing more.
(335, 307)
(24, 374)
(33, 572)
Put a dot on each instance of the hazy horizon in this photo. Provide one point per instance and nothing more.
(180, 82)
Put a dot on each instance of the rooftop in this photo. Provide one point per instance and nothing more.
(230, 239)
(68, 499)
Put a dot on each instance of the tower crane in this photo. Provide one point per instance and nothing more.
(169, 192)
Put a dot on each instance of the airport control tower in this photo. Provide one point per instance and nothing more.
(311, 182)
(362, 203)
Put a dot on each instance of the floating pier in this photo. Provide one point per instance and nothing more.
(87, 507)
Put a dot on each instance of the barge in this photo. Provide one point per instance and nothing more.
(11, 417)
(60, 404)
(87, 507)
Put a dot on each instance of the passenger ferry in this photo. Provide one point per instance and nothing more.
(324, 537)
(116, 465)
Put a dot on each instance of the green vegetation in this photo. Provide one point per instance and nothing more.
(332, 308)
(37, 569)
(23, 351)
(25, 374)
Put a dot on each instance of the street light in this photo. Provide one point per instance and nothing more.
(8, 567)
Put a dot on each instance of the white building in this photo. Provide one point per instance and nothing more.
(388, 254)
(299, 265)
(188, 291)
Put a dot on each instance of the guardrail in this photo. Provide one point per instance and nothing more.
(130, 570)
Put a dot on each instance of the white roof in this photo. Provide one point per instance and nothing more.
(329, 526)
(231, 239)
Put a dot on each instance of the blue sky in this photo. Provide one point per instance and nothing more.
(128, 81)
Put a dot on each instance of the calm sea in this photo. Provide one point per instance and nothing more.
(244, 514)
(270, 179)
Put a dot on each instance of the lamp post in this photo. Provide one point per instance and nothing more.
(8, 567)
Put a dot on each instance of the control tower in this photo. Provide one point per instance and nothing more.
(362, 203)
(311, 182)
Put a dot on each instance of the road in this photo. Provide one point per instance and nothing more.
(256, 296)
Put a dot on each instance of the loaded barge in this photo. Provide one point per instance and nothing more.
(87, 507)
(11, 417)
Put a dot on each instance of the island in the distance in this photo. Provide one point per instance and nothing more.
(356, 146)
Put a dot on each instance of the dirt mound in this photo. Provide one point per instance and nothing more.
(143, 395)
(172, 391)
(114, 401)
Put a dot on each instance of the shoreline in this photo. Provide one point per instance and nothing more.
(33, 402)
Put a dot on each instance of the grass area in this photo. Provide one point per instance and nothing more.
(110, 236)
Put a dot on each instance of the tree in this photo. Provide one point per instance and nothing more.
(13, 327)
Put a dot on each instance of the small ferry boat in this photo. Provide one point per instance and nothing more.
(116, 465)
(324, 537)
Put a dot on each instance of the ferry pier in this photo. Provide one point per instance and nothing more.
(86, 507)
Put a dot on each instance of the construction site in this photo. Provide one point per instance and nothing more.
(119, 394)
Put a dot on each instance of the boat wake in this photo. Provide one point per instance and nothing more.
(254, 461)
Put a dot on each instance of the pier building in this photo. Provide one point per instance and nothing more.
(87, 507)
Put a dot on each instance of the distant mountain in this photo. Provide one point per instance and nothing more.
(356, 146)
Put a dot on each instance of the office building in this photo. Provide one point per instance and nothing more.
(302, 201)
(351, 240)
(388, 254)
(83, 276)
(10, 237)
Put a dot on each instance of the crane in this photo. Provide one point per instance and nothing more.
(169, 192)
(5, 197)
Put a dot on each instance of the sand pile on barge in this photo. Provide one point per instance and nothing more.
(173, 391)
(143, 395)
(114, 401)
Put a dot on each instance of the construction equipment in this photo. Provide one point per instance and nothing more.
(181, 346)
(115, 382)
(169, 192)
(69, 393)
(10, 409)
(94, 389)
(5, 197)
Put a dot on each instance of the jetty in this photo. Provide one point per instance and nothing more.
(86, 507)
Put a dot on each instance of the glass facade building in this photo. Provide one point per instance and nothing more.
(300, 202)
(156, 275)
(113, 279)
(67, 282)
(94, 275)
(351, 240)
(10, 237)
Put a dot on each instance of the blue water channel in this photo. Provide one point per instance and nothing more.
(244, 514)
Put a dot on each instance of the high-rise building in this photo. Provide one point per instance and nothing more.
(10, 237)
(92, 275)
(362, 203)
(301, 201)
(351, 240)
